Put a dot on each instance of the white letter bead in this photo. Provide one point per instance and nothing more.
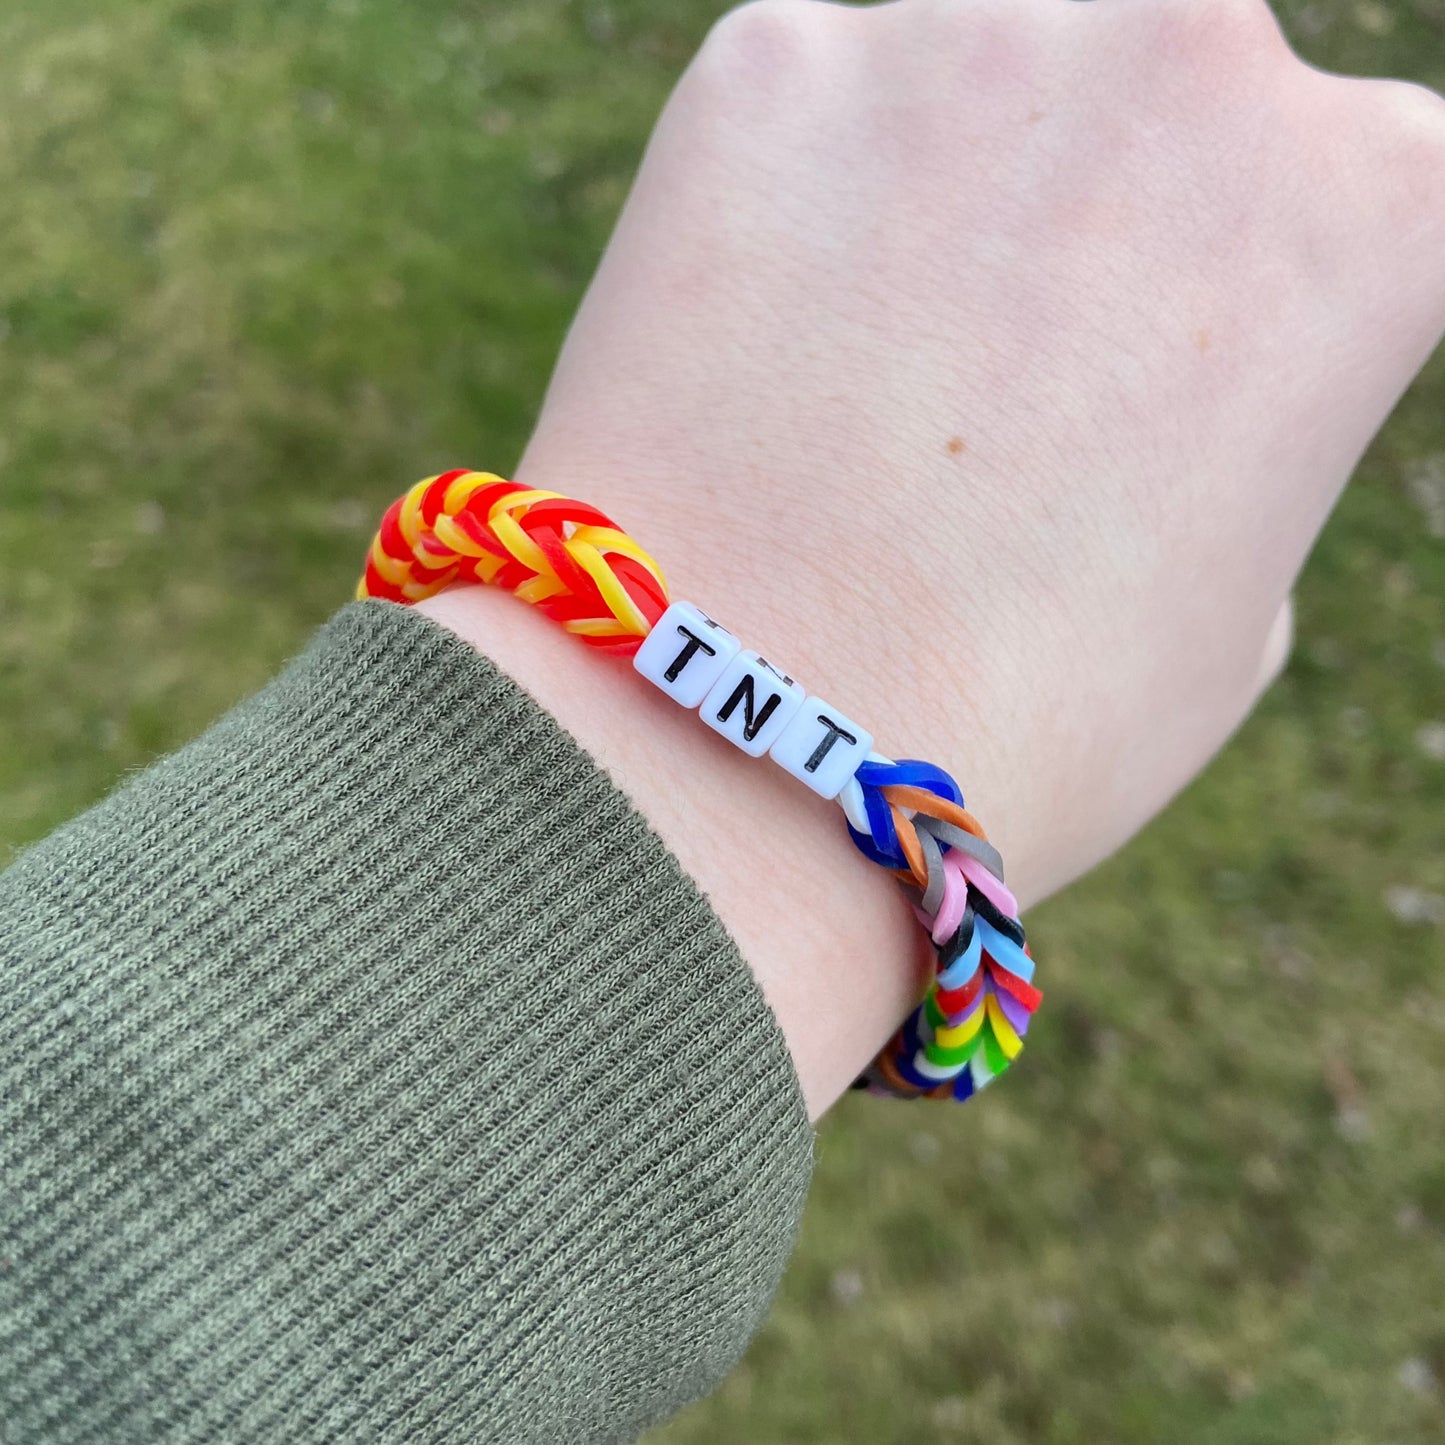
(821, 747)
(751, 703)
(685, 653)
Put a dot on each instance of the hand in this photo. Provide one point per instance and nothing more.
(992, 365)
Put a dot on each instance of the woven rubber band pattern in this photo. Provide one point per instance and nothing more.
(575, 565)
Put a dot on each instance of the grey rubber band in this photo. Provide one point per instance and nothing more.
(964, 841)
(933, 858)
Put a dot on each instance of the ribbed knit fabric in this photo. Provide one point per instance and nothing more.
(369, 1071)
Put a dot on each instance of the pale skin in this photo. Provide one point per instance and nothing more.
(992, 365)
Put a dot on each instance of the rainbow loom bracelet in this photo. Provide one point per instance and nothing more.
(579, 568)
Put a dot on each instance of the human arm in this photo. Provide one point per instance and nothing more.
(993, 367)
(658, 467)
(369, 1070)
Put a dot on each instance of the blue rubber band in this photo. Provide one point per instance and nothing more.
(871, 851)
(880, 824)
(966, 964)
(905, 1065)
(910, 772)
(1004, 951)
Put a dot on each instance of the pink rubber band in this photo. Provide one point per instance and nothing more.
(994, 889)
(955, 900)
(960, 870)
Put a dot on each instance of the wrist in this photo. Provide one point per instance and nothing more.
(835, 948)
(827, 935)
(833, 575)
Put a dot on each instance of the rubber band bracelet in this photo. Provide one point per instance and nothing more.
(578, 567)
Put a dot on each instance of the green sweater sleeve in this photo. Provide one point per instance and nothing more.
(370, 1071)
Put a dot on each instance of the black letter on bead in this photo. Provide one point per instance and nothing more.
(743, 693)
(690, 648)
(821, 751)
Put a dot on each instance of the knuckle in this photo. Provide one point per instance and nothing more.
(1253, 20)
(969, 52)
(762, 36)
(1376, 151)
(772, 63)
(1394, 132)
(1413, 178)
(952, 18)
(1218, 33)
(1418, 116)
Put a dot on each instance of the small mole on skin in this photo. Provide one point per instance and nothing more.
(1035, 116)
(1203, 340)
(956, 446)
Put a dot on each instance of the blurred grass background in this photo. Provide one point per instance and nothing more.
(264, 262)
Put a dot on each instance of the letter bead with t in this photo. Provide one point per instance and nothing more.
(685, 653)
(821, 747)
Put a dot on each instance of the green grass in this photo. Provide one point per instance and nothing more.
(262, 263)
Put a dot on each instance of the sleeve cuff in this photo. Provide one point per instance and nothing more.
(372, 1071)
